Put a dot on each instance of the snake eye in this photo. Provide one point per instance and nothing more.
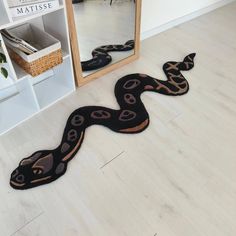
(37, 171)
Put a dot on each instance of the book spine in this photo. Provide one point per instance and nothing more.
(34, 8)
(19, 3)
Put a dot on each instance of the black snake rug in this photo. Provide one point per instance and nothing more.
(101, 57)
(46, 166)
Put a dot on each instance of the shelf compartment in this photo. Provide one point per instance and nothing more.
(17, 104)
(56, 25)
(55, 87)
(48, 55)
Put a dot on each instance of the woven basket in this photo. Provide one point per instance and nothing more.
(49, 52)
(40, 65)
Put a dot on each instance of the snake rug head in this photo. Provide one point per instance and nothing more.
(40, 168)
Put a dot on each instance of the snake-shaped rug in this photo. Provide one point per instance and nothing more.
(46, 166)
(101, 57)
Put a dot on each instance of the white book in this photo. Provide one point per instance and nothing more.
(17, 3)
(34, 8)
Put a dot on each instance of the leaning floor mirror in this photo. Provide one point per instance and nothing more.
(105, 35)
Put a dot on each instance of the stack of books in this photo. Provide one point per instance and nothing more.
(28, 7)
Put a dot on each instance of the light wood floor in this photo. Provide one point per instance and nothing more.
(177, 178)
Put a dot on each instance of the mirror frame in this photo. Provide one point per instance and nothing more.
(80, 80)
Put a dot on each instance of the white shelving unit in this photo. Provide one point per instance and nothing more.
(21, 95)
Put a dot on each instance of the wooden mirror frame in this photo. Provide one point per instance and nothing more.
(80, 80)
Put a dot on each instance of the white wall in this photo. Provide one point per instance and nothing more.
(157, 14)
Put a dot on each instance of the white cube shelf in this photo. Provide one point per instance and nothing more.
(21, 95)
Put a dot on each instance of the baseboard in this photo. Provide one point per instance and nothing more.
(188, 17)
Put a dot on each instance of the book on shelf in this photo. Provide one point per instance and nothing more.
(29, 7)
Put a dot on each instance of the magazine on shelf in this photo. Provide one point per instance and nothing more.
(18, 43)
(29, 7)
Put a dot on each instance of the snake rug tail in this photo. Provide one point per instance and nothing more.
(101, 57)
(45, 166)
